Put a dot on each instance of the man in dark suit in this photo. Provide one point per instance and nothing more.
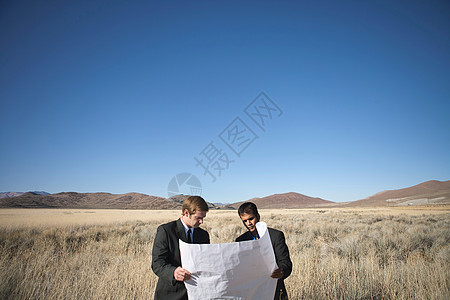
(248, 212)
(166, 261)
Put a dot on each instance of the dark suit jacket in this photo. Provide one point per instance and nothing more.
(281, 256)
(166, 258)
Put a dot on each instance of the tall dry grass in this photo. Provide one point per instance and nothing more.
(336, 255)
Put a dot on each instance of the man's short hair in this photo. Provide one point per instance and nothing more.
(193, 204)
(248, 208)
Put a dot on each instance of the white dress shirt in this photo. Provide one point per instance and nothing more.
(186, 228)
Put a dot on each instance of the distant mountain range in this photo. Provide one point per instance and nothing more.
(430, 192)
(94, 201)
(15, 194)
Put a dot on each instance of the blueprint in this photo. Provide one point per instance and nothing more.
(237, 271)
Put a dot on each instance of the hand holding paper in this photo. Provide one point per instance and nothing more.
(278, 273)
(181, 274)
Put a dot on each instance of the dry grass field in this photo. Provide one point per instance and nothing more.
(337, 253)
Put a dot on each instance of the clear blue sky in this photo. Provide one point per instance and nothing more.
(120, 96)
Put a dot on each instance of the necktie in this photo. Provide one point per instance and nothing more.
(189, 236)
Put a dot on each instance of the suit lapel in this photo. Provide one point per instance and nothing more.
(180, 231)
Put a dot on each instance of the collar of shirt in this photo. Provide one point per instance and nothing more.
(254, 238)
(186, 228)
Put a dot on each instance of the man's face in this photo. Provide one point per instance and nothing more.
(249, 221)
(194, 220)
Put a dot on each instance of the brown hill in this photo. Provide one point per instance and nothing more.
(89, 200)
(286, 200)
(429, 192)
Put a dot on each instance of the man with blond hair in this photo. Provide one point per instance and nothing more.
(166, 261)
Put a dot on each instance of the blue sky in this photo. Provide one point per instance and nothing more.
(120, 96)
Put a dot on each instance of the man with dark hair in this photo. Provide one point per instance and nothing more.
(248, 212)
(166, 261)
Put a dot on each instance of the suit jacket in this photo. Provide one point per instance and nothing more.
(166, 258)
(281, 256)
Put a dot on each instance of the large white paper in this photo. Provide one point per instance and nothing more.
(231, 271)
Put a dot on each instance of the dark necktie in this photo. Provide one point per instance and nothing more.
(189, 236)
